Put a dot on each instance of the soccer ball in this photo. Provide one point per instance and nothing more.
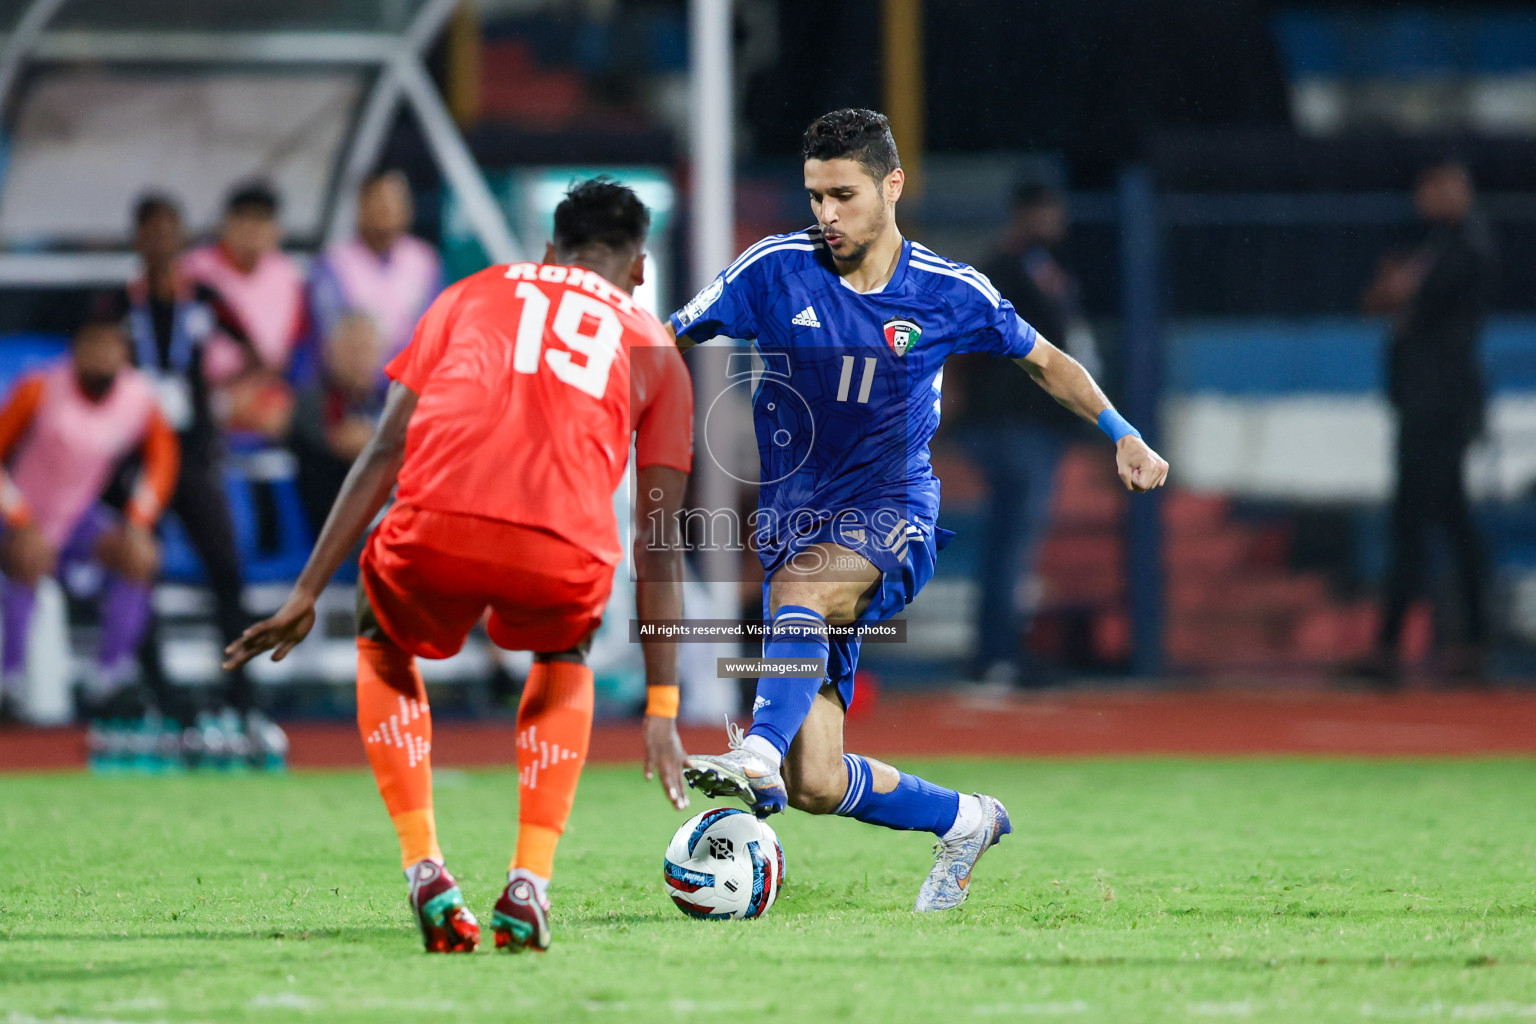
(724, 864)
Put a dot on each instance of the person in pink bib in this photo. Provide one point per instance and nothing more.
(384, 272)
(265, 288)
(64, 432)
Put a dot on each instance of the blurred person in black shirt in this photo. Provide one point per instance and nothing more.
(170, 320)
(1015, 432)
(1437, 295)
(334, 417)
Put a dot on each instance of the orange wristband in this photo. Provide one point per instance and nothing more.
(661, 701)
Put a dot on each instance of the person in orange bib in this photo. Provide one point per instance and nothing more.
(505, 434)
(65, 431)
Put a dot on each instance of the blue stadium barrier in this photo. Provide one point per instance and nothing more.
(23, 353)
(178, 561)
(1406, 43)
(1330, 355)
(285, 562)
(281, 564)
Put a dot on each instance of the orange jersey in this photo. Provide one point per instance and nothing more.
(532, 379)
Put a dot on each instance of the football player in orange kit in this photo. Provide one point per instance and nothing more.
(507, 430)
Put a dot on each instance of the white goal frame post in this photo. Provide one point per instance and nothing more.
(400, 78)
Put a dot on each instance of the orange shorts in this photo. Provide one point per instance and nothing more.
(430, 576)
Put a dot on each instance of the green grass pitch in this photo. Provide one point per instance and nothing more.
(1135, 890)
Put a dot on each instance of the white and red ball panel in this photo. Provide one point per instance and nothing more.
(724, 864)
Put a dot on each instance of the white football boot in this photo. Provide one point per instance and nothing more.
(738, 773)
(948, 884)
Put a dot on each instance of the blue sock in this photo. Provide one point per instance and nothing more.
(782, 704)
(915, 805)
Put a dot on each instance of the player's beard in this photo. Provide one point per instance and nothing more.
(856, 255)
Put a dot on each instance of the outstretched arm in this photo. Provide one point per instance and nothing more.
(25, 555)
(364, 492)
(1065, 380)
(16, 417)
(152, 492)
(658, 596)
(684, 343)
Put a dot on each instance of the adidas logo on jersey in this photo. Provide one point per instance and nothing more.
(806, 318)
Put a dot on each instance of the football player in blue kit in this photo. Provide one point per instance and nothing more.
(863, 319)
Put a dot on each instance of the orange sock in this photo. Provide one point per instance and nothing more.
(554, 725)
(396, 724)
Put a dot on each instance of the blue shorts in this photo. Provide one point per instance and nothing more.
(904, 551)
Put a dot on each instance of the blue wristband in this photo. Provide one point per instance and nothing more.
(1113, 424)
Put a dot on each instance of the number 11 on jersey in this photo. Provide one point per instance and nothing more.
(866, 382)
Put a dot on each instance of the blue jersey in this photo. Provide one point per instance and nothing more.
(846, 396)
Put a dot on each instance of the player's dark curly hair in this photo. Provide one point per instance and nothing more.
(600, 211)
(254, 198)
(854, 134)
(154, 204)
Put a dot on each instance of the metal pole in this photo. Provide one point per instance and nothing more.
(427, 24)
(1141, 321)
(458, 165)
(712, 149)
(66, 269)
(372, 126)
(27, 30)
(902, 36)
(378, 112)
(325, 48)
(710, 143)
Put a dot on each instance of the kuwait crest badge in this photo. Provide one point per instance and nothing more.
(902, 334)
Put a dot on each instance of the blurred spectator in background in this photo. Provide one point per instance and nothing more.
(266, 291)
(1016, 433)
(1437, 295)
(384, 272)
(171, 319)
(63, 432)
(334, 416)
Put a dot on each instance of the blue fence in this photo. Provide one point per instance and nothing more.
(1328, 355)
